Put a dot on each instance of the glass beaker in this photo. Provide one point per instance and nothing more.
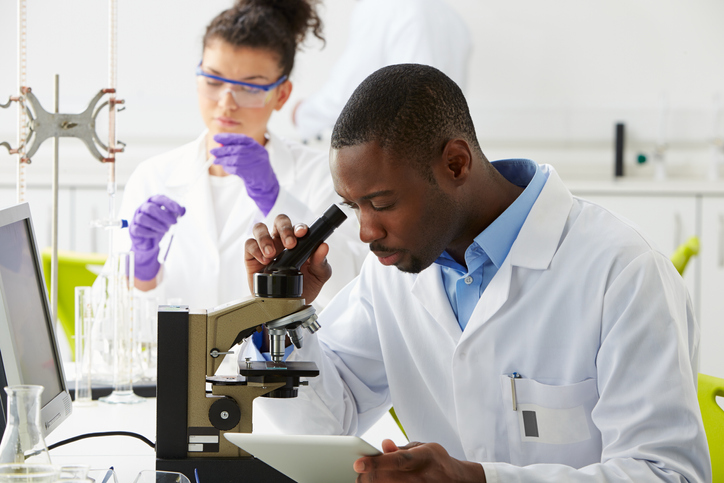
(23, 441)
(125, 346)
(74, 472)
(83, 346)
(28, 473)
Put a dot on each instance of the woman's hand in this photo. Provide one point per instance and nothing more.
(261, 250)
(249, 160)
(416, 462)
(148, 226)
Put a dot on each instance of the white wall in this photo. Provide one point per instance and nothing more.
(548, 80)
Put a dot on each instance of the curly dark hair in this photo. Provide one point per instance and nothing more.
(412, 109)
(276, 25)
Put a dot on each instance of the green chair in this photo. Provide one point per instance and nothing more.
(75, 269)
(684, 252)
(709, 388)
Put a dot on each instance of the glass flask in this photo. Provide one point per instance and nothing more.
(23, 441)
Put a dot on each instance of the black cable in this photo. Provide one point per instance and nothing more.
(106, 433)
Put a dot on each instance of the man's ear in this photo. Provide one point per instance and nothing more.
(457, 158)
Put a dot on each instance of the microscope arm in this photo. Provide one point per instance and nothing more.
(229, 324)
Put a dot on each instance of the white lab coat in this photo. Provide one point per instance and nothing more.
(387, 32)
(598, 323)
(204, 269)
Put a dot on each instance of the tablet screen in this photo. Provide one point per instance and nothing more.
(307, 458)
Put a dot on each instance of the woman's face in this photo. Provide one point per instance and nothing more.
(254, 66)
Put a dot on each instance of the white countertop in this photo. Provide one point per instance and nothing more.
(129, 455)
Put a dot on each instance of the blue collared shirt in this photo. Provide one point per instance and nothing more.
(489, 249)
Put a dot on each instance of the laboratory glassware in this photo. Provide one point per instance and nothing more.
(124, 347)
(75, 474)
(107, 475)
(28, 473)
(23, 441)
(151, 476)
(145, 318)
(83, 345)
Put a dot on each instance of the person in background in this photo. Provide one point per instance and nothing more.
(237, 172)
(521, 333)
(386, 32)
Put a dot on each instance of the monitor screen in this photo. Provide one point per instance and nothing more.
(28, 347)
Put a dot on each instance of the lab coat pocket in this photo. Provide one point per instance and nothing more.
(551, 424)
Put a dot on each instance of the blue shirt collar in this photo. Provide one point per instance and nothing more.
(497, 239)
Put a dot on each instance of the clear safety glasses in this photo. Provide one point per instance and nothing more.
(244, 94)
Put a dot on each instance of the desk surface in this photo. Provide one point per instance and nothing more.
(129, 455)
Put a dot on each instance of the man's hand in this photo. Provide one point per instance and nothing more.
(416, 462)
(265, 246)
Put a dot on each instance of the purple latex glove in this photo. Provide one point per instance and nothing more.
(246, 158)
(150, 223)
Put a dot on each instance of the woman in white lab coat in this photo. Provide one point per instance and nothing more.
(243, 77)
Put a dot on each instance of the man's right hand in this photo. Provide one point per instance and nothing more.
(149, 224)
(261, 250)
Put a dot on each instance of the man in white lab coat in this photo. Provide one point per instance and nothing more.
(522, 333)
(386, 32)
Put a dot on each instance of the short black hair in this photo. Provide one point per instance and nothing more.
(412, 109)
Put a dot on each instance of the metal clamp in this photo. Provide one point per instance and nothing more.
(43, 125)
(10, 149)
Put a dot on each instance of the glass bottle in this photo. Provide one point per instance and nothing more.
(23, 441)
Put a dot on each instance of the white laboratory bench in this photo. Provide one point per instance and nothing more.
(129, 455)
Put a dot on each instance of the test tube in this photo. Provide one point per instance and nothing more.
(83, 345)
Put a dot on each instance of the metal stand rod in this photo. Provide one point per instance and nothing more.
(22, 67)
(54, 229)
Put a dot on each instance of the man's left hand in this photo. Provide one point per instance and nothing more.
(416, 462)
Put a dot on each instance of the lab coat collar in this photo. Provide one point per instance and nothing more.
(534, 248)
(539, 236)
(428, 289)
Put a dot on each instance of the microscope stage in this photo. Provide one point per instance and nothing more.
(286, 369)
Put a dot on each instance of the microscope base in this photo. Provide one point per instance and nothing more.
(223, 470)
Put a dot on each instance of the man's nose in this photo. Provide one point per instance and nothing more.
(370, 229)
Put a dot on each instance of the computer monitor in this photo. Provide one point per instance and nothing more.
(28, 349)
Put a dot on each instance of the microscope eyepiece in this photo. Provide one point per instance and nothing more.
(282, 278)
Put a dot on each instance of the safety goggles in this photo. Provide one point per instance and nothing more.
(245, 95)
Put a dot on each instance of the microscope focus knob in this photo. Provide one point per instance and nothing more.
(224, 414)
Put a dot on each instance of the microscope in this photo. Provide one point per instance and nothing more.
(191, 419)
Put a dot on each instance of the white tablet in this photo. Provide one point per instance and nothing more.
(307, 458)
